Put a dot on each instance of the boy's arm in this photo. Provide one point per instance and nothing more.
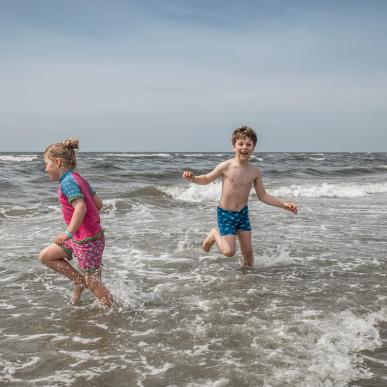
(76, 220)
(98, 202)
(205, 179)
(264, 197)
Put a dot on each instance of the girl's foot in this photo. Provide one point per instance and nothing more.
(208, 242)
(79, 287)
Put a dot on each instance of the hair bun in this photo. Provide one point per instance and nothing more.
(71, 143)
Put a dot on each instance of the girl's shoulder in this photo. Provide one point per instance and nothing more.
(72, 178)
(76, 176)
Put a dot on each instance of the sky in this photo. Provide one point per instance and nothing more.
(180, 75)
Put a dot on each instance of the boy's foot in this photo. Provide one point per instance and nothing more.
(247, 263)
(77, 293)
(208, 242)
(246, 266)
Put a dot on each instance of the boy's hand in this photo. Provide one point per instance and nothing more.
(291, 207)
(60, 239)
(188, 175)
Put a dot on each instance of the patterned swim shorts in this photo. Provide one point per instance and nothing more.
(229, 222)
(88, 254)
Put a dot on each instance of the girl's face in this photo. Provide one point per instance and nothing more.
(53, 168)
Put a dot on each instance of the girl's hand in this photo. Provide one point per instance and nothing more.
(188, 175)
(291, 207)
(60, 239)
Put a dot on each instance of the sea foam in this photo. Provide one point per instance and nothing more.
(331, 351)
(18, 158)
(340, 190)
(194, 192)
(212, 192)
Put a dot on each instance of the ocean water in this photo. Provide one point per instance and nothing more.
(312, 311)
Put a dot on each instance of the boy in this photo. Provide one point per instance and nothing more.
(238, 176)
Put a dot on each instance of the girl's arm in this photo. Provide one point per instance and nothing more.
(98, 202)
(76, 220)
(205, 179)
(264, 197)
(78, 215)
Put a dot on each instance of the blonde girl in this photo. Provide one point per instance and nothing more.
(84, 236)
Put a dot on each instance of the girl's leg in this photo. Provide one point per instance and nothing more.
(94, 283)
(54, 257)
(246, 248)
(226, 244)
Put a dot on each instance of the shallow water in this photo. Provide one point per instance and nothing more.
(311, 313)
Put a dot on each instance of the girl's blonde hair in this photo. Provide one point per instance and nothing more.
(64, 151)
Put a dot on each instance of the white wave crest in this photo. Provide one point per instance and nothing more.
(17, 211)
(350, 190)
(18, 158)
(138, 154)
(277, 258)
(335, 353)
(334, 349)
(125, 293)
(201, 193)
(195, 192)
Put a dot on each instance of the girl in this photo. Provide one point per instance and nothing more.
(84, 236)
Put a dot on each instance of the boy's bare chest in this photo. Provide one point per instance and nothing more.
(239, 178)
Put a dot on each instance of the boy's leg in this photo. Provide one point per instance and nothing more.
(246, 247)
(53, 256)
(226, 243)
(210, 240)
(94, 283)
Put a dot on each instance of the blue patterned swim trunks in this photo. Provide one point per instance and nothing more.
(229, 222)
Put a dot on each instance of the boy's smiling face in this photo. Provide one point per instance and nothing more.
(244, 147)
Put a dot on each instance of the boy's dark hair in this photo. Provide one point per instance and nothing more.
(242, 132)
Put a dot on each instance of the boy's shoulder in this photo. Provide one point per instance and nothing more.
(254, 167)
(253, 171)
(250, 166)
(224, 164)
(256, 170)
